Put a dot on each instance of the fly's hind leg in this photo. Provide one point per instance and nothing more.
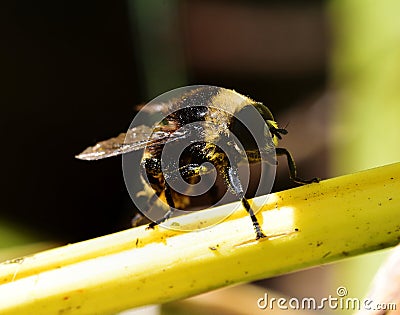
(171, 204)
(186, 172)
(292, 168)
(152, 168)
(139, 218)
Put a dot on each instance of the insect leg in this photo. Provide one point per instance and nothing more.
(171, 204)
(246, 205)
(190, 170)
(194, 169)
(138, 218)
(292, 168)
(232, 180)
(151, 168)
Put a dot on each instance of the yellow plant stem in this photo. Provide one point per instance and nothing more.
(307, 226)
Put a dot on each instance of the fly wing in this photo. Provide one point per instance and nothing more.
(151, 108)
(134, 139)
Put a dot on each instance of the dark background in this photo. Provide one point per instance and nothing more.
(72, 71)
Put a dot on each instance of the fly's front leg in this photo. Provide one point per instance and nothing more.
(292, 168)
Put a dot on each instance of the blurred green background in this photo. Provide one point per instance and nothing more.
(72, 72)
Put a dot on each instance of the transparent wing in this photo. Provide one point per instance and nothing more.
(151, 108)
(134, 139)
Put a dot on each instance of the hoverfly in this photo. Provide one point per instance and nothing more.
(219, 107)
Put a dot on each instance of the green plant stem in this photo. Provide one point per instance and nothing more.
(307, 226)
